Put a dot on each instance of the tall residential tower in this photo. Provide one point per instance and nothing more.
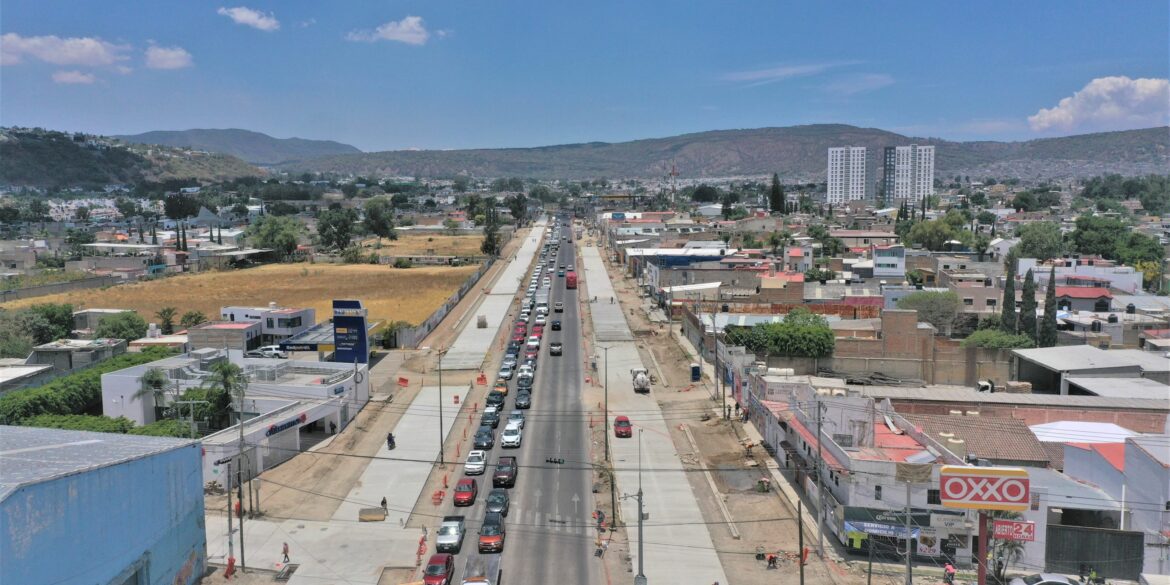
(908, 173)
(846, 180)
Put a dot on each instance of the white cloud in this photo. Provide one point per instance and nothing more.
(860, 83)
(409, 30)
(249, 17)
(168, 57)
(73, 77)
(87, 51)
(307, 23)
(1109, 103)
(771, 75)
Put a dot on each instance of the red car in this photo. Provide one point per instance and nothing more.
(521, 329)
(465, 492)
(538, 330)
(531, 353)
(519, 337)
(439, 569)
(622, 427)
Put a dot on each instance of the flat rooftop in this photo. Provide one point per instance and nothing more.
(13, 373)
(1076, 357)
(233, 325)
(30, 455)
(1123, 387)
(78, 344)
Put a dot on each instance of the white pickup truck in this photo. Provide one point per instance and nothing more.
(450, 537)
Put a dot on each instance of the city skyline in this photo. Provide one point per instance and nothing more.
(436, 76)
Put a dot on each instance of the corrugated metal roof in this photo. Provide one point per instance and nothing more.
(1123, 387)
(963, 394)
(30, 455)
(1075, 357)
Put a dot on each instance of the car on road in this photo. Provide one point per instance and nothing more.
(524, 383)
(622, 427)
(561, 273)
(506, 372)
(516, 418)
(495, 398)
(498, 501)
(509, 360)
(476, 462)
(465, 492)
(501, 385)
(506, 470)
(541, 319)
(272, 351)
(523, 399)
(450, 536)
(492, 533)
(511, 437)
(526, 370)
(570, 268)
(485, 438)
(490, 418)
(556, 325)
(533, 342)
(538, 330)
(1042, 579)
(440, 570)
(531, 353)
(555, 348)
(559, 307)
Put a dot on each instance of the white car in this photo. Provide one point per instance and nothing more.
(534, 342)
(506, 372)
(541, 319)
(272, 351)
(1042, 579)
(525, 370)
(476, 462)
(511, 436)
(515, 418)
(559, 307)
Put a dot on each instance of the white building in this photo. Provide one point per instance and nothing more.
(846, 175)
(276, 323)
(908, 172)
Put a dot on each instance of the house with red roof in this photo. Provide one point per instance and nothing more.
(1083, 298)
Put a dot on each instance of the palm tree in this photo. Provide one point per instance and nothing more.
(778, 241)
(166, 319)
(1011, 551)
(227, 381)
(155, 383)
(192, 318)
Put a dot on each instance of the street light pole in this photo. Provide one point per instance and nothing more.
(606, 413)
(442, 352)
(640, 579)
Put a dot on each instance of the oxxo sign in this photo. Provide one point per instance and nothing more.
(984, 488)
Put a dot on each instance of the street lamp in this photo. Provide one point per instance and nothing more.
(442, 352)
(640, 578)
(606, 413)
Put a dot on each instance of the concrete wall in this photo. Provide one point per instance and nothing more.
(1148, 480)
(97, 526)
(61, 287)
(1085, 464)
(410, 337)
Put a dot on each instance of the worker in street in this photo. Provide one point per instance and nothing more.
(948, 573)
(284, 551)
(384, 504)
(771, 560)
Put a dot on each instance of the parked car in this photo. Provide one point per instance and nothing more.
(622, 427)
(465, 492)
(523, 399)
(555, 348)
(511, 437)
(476, 462)
(497, 501)
(505, 474)
(440, 569)
(272, 351)
(492, 533)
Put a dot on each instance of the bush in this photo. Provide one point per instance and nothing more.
(80, 422)
(996, 339)
(402, 263)
(800, 334)
(164, 428)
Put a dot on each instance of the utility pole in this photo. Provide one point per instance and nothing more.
(442, 463)
(606, 413)
(191, 404)
(719, 383)
(640, 578)
(228, 479)
(800, 535)
(909, 538)
(820, 485)
(241, 387)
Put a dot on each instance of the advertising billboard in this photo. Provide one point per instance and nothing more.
(349, 332)
(984, 488)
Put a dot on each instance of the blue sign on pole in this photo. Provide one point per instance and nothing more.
(349, 332)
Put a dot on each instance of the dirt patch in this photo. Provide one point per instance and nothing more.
(389, 294)
(409, 244)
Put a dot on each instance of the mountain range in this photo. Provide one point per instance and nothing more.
(249, 146)
(796, 152)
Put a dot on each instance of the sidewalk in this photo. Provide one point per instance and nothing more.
(678, 547)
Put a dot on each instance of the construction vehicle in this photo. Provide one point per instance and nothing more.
(641, 380)
(483, 570)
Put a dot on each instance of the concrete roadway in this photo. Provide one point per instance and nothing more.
(550, 534)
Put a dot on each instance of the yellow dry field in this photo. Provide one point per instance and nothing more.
(409, 244)
(389, 294)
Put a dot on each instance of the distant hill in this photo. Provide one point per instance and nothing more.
(45, 158)
(253, 147)
(794, 152)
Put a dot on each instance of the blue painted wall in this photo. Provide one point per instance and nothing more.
(93, 526)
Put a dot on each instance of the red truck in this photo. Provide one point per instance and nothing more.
(570, 279)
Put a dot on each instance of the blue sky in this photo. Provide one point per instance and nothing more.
(480, 73)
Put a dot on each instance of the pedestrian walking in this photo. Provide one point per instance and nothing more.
(384, 504)
(284, 551)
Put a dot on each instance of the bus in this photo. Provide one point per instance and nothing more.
(570, 279)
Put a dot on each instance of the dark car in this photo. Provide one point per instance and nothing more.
(491, 418)
(465, 492)
(492, 533)
(555, 348)
(561, 272)
(496, 398)
(523, 383)
(514, 346)
(524, 399)
(439, 569)
(498, 501)
(505, 474)
(556, 325)
(485, 438)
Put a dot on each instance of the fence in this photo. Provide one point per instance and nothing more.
(60, 287)
(410, 337)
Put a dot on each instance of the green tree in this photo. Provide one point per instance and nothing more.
(778, 241)
(58, 316)
(932, 235)
(800, 334)
(16, 339)
(461, 183)
(518, 206)
(705, 193)
(180, 206)
(155, 383)
(728, 204)
(1041, 240)
(934, 307)
(277, 233)
(379, 218)
(491, 234)
(776, 198)
(128, 325)
(1098, 235)
(1007, 316)
(985, 217)
(335, 227)
(226, 382)
(192, 318)
(994, 339)
(1134, 248)
(166, 319)
(1027, 320)
(1047, 334)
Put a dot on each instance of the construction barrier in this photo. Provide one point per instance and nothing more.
(403, 382)
(437, 497)
(481, 379)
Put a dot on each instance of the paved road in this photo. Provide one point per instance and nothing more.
(549, 528)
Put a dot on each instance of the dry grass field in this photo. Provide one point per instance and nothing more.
(427, 244)
(390, 294)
